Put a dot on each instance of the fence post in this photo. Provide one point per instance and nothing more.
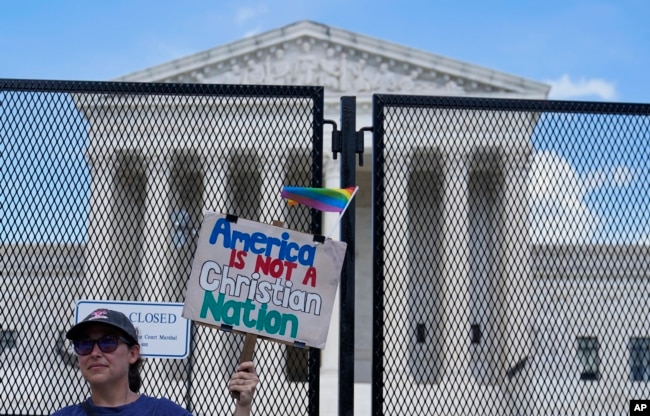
(346, 340)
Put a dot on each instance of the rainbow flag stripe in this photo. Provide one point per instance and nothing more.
(323, 199)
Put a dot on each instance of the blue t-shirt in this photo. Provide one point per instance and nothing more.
(143, 406)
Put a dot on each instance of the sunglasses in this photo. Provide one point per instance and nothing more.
(107, 343)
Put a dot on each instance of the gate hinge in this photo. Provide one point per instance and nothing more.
(337, 142)
(359, 144)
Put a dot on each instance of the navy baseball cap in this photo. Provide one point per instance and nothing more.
(108, 317)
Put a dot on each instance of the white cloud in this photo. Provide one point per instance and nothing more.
(565, 88)
(595, 179)
(621, 176)
(252, 32)
(245, 14)
(558, 213)
(614, 177)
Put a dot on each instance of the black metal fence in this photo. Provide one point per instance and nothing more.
(510, 242)
(510, 256)
(103, 188)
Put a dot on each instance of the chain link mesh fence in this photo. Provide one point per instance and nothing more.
(510, 241)
(511, 257)
(103, 186)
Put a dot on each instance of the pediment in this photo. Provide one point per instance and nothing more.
(308, 53)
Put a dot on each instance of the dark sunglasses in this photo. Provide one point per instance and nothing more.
(107, 343)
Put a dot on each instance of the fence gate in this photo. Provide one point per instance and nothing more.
(103, 187)
(510, 256)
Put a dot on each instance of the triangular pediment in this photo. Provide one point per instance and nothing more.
(308, 53)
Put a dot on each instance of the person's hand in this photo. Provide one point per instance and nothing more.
(244, 382)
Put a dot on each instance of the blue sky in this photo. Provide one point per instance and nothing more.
(588, 50)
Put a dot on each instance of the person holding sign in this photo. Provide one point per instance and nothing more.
(106, 343)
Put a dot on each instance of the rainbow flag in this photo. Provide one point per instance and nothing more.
(323, 199)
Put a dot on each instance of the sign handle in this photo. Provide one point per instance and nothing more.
(249, 348)
(246, 355)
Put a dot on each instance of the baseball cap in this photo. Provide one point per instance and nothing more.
(107, 317)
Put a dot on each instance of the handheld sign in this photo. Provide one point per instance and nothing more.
(264, 280)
